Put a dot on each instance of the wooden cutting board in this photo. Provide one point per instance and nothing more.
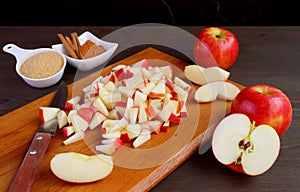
(19, 126)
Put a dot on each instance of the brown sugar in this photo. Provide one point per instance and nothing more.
(42, 65)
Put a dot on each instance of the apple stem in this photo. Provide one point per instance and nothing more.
(246, 144)
(252, 127)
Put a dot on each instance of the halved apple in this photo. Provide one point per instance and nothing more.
(201, 75)
(243, 147)
(216, 90)
(79, 168)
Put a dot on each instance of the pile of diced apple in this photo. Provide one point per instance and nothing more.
(127, 106)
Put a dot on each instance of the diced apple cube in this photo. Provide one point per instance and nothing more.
(112, 135)
(133, 130)
(48, 113)
(144, 136)
(181, 83)
(139, 98)
(86, 114)
(155, 126)
(79, 123)
(100, 106)
(125, 137)
(165, 126)
(158, 91)
(97, 119)
(77, 136)
(174, 118)
(68, 131)
(70, 104)
(133, 112)
(142, 116)
(107, 149)
(62, 118)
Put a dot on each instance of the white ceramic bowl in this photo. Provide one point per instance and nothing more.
(22, 54)
(90, 63)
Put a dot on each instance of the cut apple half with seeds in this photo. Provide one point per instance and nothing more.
(244, 148)
(200, 75)
(216, 90)
(79, 168)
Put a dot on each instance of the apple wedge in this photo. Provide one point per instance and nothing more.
(79, 168)
(241, 146)
(200, 75)
(216, 90)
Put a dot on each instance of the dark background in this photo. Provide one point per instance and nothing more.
(128, 12)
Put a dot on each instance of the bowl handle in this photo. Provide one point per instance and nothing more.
(15, 50)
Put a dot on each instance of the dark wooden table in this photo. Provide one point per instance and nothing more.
(268, 55)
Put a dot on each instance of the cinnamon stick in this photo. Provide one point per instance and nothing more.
(76, 43)
(66, 44)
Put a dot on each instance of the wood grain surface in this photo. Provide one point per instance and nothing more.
(19, 126)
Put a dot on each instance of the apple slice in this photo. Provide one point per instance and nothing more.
(244, 148)
(48, 113)
(200, 75)
(216, 90)
(79, 168)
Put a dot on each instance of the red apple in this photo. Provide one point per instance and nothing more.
(264, 104)
(244, 147)
(216, 46)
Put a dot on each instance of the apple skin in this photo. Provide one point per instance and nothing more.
(216, 46)
(236, 168)
(264, 104)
